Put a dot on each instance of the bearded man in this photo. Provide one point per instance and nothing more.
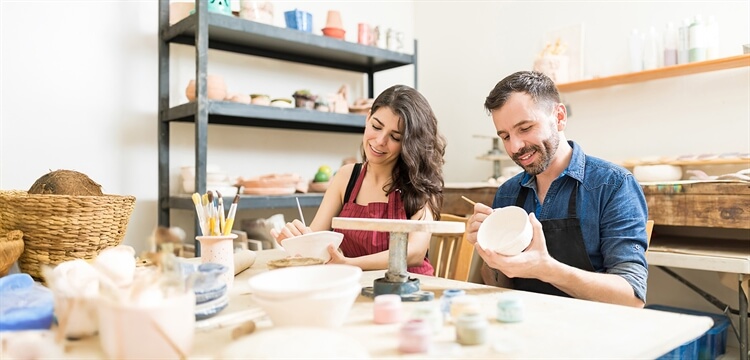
(588, 215)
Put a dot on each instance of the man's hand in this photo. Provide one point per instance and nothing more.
(481, 211)
(531, 263)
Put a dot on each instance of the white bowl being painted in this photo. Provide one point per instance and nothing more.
(290, 282)
(321, 308)
(313, 245)
(506, 231)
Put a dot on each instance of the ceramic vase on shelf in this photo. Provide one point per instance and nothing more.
(554, 66)
(219, 249)
(260, 11)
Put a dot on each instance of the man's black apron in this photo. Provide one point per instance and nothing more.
(564, 243)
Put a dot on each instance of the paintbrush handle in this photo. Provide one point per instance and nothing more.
(230, 219)
(222, 219)
(228, 226)
(301, 215)
(200, 213)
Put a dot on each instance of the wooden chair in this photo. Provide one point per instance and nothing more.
(451, 254)
(649, 229)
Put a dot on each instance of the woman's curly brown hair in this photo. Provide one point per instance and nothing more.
(419, 170)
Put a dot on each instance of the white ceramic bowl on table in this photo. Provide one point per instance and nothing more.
(314, 244)
(506, 231)
(323, 308)
(316, 295)
(291, 282)
(150, 331)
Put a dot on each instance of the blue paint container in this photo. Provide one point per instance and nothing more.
(298, 20)
(510, 309)
(447, 298)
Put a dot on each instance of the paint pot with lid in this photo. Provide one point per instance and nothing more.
(447, 298)
(510, 309)
(387, 309)
(471, 329)
(429, 312)
(415, 337)
(464, 304)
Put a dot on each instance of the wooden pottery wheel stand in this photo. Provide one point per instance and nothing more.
(396, 279)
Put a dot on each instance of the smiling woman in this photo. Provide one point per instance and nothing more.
(401, 178)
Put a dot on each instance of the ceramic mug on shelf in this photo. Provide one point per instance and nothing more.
(364, 34)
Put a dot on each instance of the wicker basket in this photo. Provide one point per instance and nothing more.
(58, 228)
(11, 247)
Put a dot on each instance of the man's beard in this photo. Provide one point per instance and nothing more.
(545, 154)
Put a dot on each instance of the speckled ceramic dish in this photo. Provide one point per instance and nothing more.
(211, 308)
(210, 291)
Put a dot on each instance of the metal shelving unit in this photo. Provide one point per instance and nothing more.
(205, 30)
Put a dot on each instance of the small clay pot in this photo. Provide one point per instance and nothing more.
(240, 98)
(260, 99)
(190, 91)
(217, 89)
(337, 33)
(333, 20)
(305, 102)
(282, 103)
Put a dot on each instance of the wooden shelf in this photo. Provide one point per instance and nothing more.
(660, 73)
(717, 161)
(709, 204)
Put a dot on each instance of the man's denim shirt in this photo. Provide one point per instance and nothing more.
(611, 207)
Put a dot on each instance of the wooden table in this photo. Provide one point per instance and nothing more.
(554, 327)
(714, 217)
(722, 207)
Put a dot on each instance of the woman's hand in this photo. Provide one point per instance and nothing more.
(336, 256)
(291, 229)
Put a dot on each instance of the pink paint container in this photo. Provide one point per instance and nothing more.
(387, 309)
(415, 337)
(364, 34)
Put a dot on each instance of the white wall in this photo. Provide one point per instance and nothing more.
(79, 91)
(464, 50)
